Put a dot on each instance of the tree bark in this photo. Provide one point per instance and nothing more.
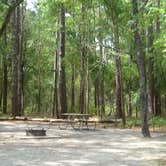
(130, 109)
(158, 19)
(96, 95)
(20, 61)
(119, 95)
(151, 71)
(1, 82)
(5, 77)
(130, 105)
(11, 9)
(73, 88)
(142, 72)
(62, 84)
(102, 100)
(82, 83)
(165, 102)
(15, 57)
(5, 86)
(82, 69)
(55, 111)
(157, 102)
(39, 92)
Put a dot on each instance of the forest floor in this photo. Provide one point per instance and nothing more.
(100, 147)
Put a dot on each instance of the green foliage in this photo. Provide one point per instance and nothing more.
(157, 121)
(96, 25)
(132, 122)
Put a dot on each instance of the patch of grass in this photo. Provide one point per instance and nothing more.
(157, 121)
(132, 122)
(4, 115)
(153, 122)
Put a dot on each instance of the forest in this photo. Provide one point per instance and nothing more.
(106, 58)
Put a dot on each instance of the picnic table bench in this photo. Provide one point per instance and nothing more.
(77, 121)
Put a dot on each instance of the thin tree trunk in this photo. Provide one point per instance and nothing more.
(73, 88)
(5, 77)
(9, 14)
(142, 73)
(39, 92)
(130, 104)
(158, 19)
(165, 102)
(1, 82)
(87, 89)
(88, 93)
(20, 62)
(102, 102)
(157, 103)
(55, 104)
(82, 84)
(62, 84)
(82, 69)
(130, 83)
(24, 46)
(96, 95)
(151, 71)
(55, 111)
(119, 96)
(15, 53)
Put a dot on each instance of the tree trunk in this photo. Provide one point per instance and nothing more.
(20, 62)
(130, 82)
(55, 104)
(88, 93)
(165, 102)
(157, 102)
(15, 53)
(1, 82)
(55, 111)
(142, 73)
(5, 77)
(96, 95)
(87, 89)
(10, 11)
(157, 105)
(119, 95)
(39, 93)
(73, 88)
(130, 104)
(62, 83)
(82, 83)
(102, 101)
(151, 71)
(158, 19)
(82, 69)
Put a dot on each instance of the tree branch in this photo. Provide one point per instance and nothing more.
(7, 17)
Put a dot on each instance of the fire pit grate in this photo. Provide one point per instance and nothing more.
(36, 132)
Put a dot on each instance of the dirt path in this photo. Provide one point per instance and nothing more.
(103, 147)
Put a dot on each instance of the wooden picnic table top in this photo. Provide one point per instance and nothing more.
(74, 114)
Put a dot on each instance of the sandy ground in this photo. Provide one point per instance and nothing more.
(102, 147)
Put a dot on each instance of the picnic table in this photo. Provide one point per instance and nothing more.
(76, 121)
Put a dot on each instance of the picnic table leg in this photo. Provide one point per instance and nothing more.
(63, 125)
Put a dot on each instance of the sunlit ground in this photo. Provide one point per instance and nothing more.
(102, 147)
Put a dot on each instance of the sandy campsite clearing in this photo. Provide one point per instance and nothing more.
(100, 147)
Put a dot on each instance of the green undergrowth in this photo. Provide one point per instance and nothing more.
(157, 121)
(153, 121)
